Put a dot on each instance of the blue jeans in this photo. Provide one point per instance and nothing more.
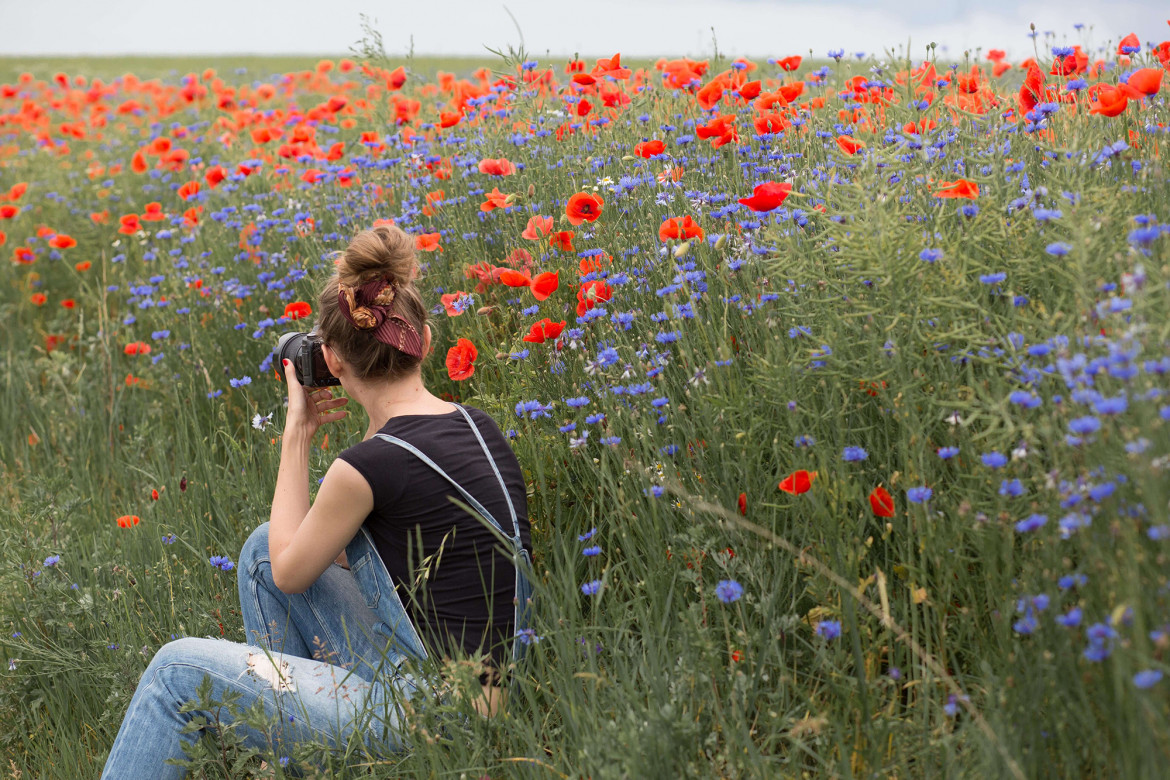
(324, 663)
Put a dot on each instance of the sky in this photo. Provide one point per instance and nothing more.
(753, 28)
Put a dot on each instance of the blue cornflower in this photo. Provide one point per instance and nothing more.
(595, 418)
(1058, 249)
(576, 403)
(995, 278)
(951, 708)
(526, 636)
(1147, 678)
(657, 491)
(1115, 405)
(590, 552)
(930, 255)
(591, 587)
(994, 460)
(1070, 619)
(168, 539)
(587, 535)
(804, 440)
(969, 210)
(1011, 487)
(728, 591)
(1031, 523)
(947, 452)
(221, 562)
(1101, 638)
(241, 382)
(658, 403)
(919, 495)
(1025, 399)
(607, 440)
(568, 427)
(534, 409)
(1084, 425)
(52, 560)
(851, 454)
(829, 629)
(1071, 580)
(607, 357)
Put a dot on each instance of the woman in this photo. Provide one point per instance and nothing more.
(382, 568)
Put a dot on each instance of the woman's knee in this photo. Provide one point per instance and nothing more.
(255, 549)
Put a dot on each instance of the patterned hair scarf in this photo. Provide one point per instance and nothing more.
(371, 307)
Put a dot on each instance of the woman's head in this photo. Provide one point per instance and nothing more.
(380, 255)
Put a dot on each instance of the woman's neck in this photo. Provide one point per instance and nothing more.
(384, 400)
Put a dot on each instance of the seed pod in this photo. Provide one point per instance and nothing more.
(682, 249)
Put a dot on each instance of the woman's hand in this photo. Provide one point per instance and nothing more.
(309, 407)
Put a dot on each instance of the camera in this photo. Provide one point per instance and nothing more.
(304, 350)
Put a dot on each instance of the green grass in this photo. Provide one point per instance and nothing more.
(654, 676)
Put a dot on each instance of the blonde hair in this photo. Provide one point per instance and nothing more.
(383, 252)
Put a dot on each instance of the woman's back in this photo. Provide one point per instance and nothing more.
(455, 577)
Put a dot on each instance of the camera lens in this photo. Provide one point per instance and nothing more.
(287, 349)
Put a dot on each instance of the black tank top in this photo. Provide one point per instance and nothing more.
(454, 576)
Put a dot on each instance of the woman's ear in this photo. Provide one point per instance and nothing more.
(426, 339)
(332, 360)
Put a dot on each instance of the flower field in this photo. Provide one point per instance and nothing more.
(841, 389)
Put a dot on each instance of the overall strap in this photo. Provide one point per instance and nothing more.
(496, 470)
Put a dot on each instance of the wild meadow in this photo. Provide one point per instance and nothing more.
(840, 388)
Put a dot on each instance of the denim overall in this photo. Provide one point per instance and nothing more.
(377, 586)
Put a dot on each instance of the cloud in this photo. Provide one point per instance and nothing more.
(756, 28)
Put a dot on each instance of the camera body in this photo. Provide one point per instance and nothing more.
(304, 351)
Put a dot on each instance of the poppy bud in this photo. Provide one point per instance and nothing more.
(483, 311)
(501, 355)
(721, 242)
(531, 190)
(682, 249)
(183, 485)
(628, 157)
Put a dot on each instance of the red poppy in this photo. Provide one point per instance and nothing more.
(498, 167)
(590, 294)
(721, 130)
(8, 212)
(84, 265)
(138, 162)
(137, 348)
(959, 188)
(297, 309)
(3, 237)
(798, 482)
(16, 190)
(100, 217)
(62, 241)
(214, 176)
(769, 122)
(736, 656)
(767, 196)
(545, 284)
(69, 303)
(790, 63)
(538, 227)
(23, 255)
(562, 240)
(448, 301)
(154, 212)
(545, 330)
(650, 148)
(427, 242)
(38, 299)
(461, 360)
(881, 502)
(1128, 42)
(1107, 100)
(512, 278)
(130, 224)
(743, 504)
(496, 200)
(1032, 90)
(583, 207)
(154, 494)
(849, 145)
(127, 521)
(189, 189)
(679, 227)
(1143, 83)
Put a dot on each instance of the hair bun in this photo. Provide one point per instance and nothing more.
(385, 251)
